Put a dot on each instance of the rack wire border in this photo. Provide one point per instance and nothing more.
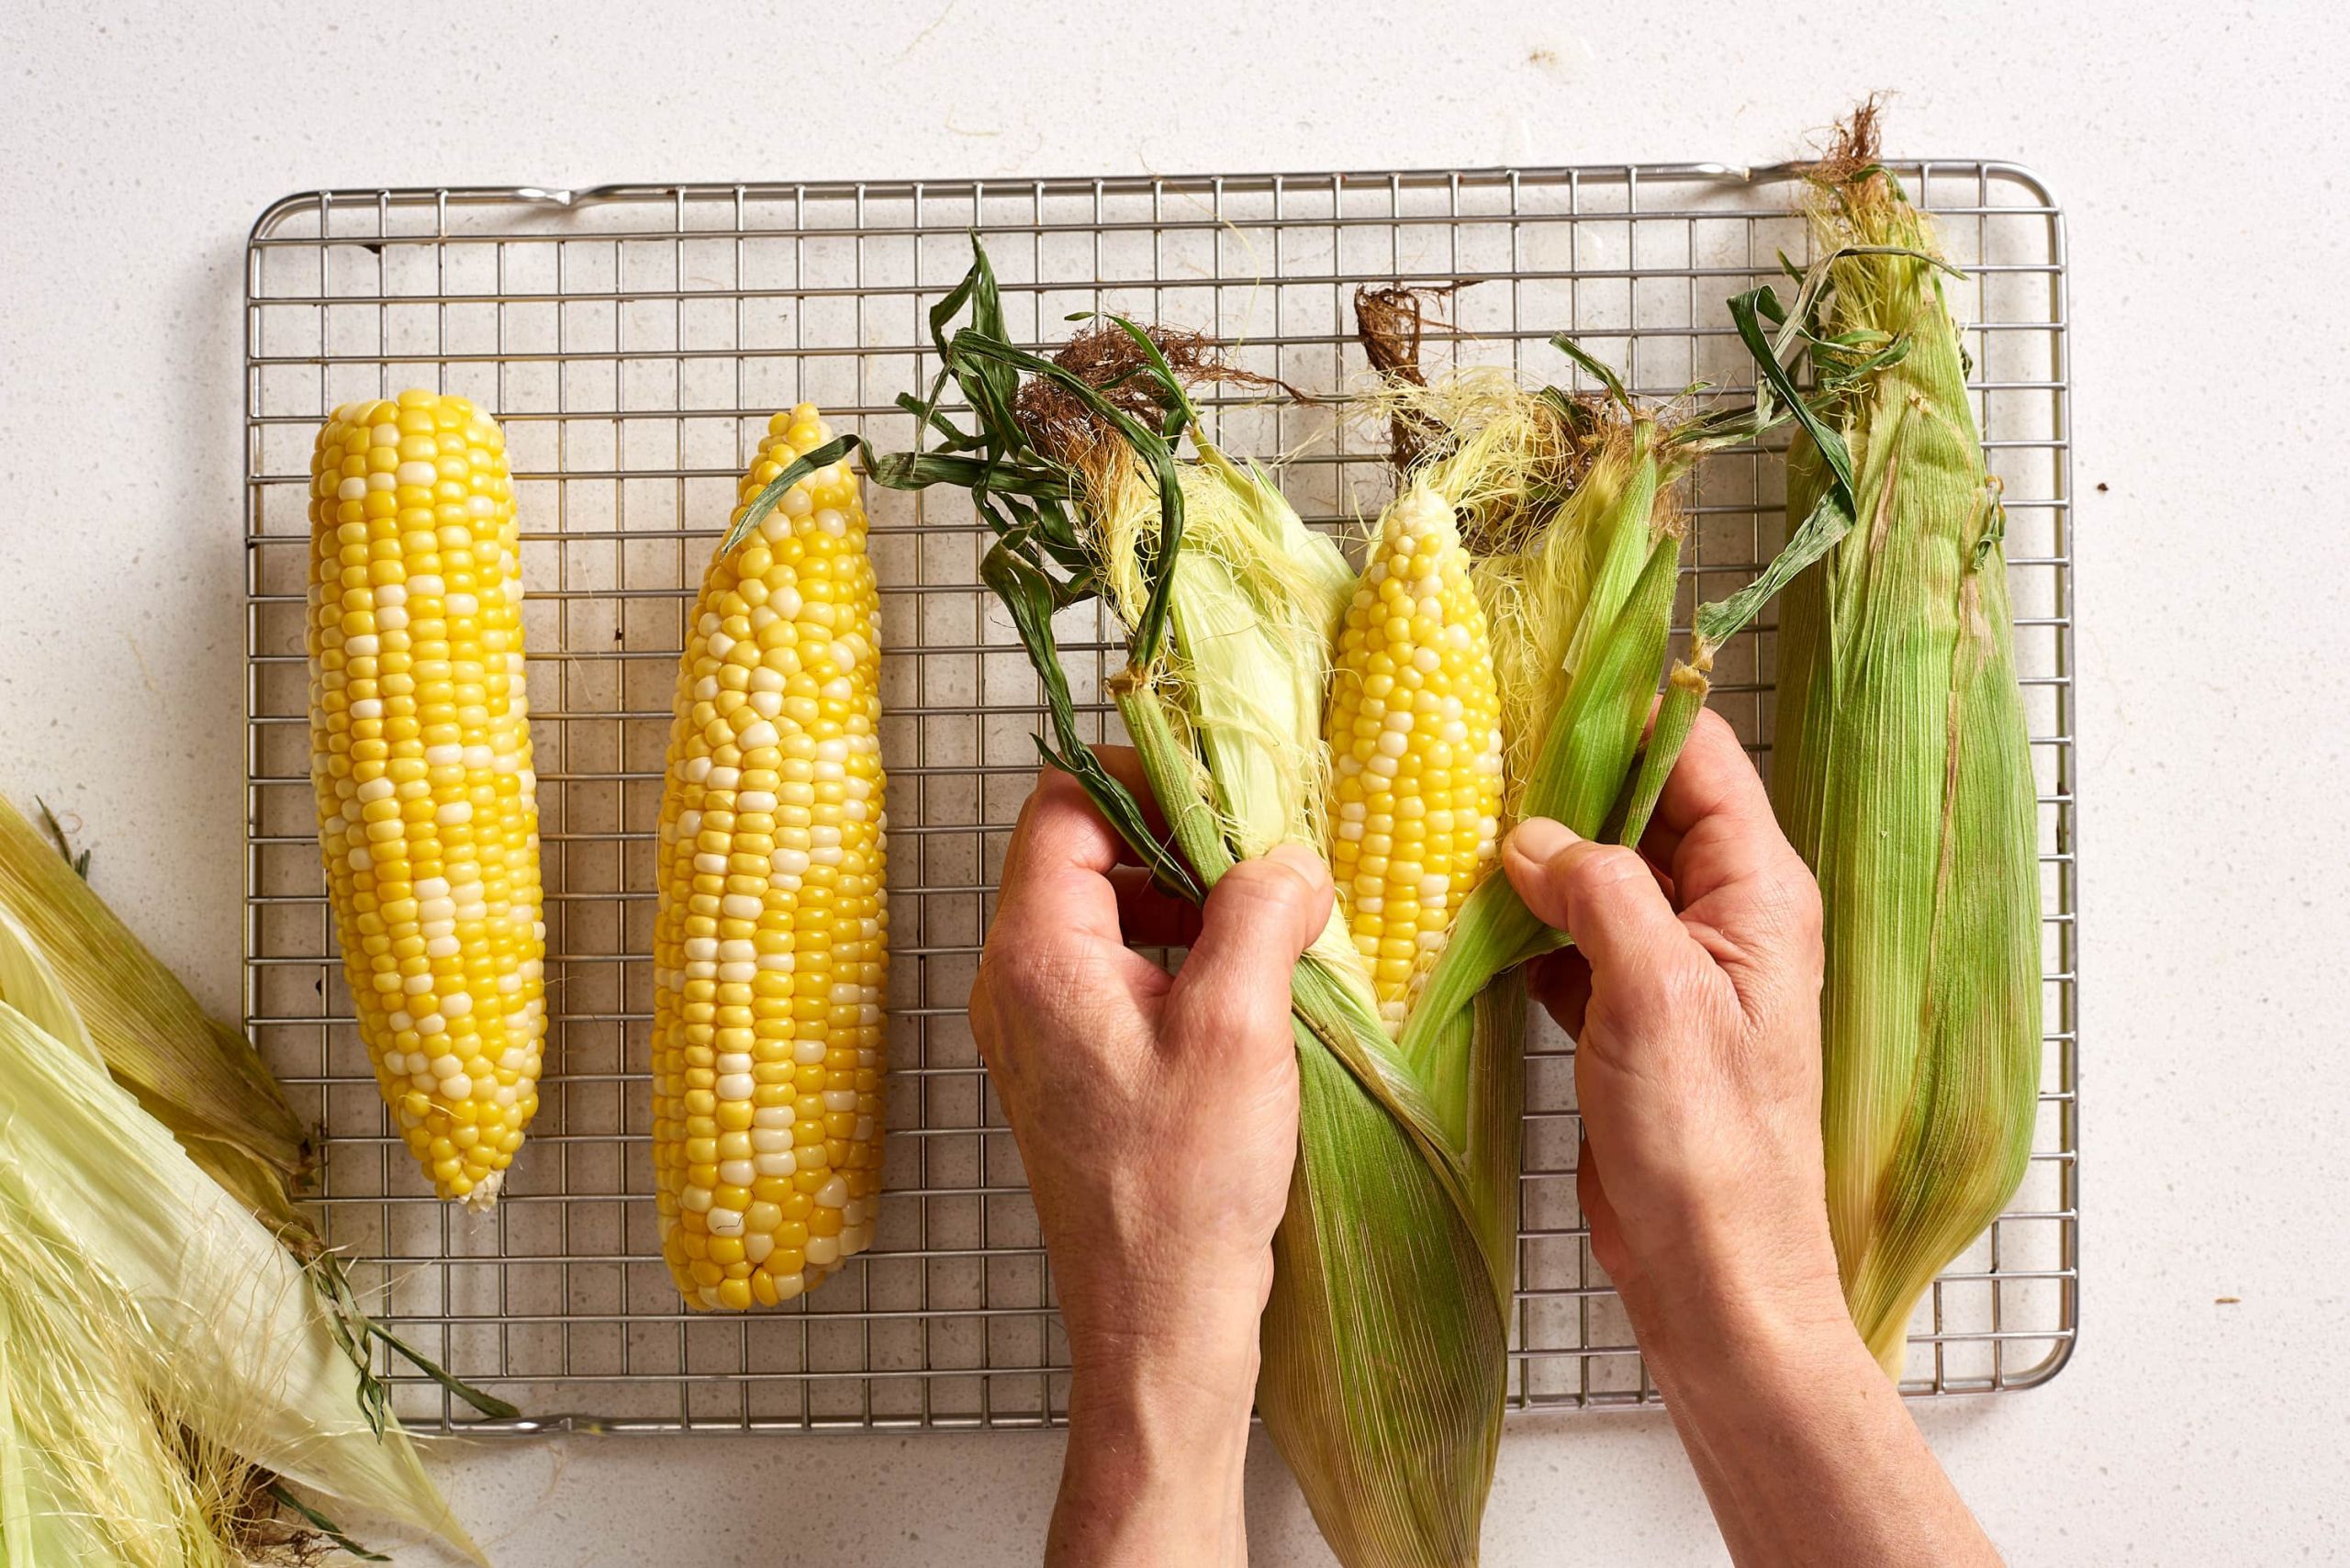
(437, 1282)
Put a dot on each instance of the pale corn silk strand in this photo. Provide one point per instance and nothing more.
(428, 810)
(89, 1475)
(771, 938)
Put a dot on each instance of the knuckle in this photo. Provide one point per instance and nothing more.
(1266, 883)
(1786, 900)
(1803, 907)
(1053, 788)
(1012, 964)
(1644, 995)
(990, 988)
(1038, 793)
(1600, 870)
(1673, 1004)
(1684, 990)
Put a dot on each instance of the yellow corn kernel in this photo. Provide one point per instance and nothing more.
(420, 760)
(1414, 727)
(770, 944)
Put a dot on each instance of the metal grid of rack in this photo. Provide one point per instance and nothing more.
(634, 341)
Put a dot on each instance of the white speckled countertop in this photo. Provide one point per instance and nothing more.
(2187, 143)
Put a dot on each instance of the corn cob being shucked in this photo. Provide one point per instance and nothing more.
(1497, 655)
(420, 756)
(1902, 766)
(1416, 747)
(770, 948)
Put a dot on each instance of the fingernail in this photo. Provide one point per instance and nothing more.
(1540, 840)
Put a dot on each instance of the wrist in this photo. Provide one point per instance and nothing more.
(1763, 1303)
(1188, 1336)
(1185, 1363)
(1159, 1442)
(1748, 1350)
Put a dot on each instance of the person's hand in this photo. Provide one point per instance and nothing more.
(1693, 996)
(1157, 1119)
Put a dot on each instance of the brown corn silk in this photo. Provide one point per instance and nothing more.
(1902, 772)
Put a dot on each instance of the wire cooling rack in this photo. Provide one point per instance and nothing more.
(634, 341)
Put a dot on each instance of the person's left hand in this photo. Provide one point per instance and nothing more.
(1156, 1117)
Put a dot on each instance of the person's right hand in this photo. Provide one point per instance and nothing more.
(1693, 995)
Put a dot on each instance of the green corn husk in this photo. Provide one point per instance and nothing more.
(1902, 767)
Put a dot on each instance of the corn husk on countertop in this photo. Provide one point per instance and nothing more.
(173, 1334)
(1902, 766)
(1497, 655)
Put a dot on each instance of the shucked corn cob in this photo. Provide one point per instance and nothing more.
(770, 949)
(1414, 728)
(420, 757)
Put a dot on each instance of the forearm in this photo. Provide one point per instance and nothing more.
(1802, 1446)
(1157, 1447)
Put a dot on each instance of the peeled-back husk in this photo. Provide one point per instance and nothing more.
(199, 1076)
(1902, 772)
(178, 1286)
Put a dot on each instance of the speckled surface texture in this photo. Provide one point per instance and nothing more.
(2188, 144)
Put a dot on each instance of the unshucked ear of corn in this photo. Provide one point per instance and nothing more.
(1902, 768)
(1390, 720)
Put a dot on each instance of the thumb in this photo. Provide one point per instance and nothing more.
(1603, 895)
(1261, 916)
